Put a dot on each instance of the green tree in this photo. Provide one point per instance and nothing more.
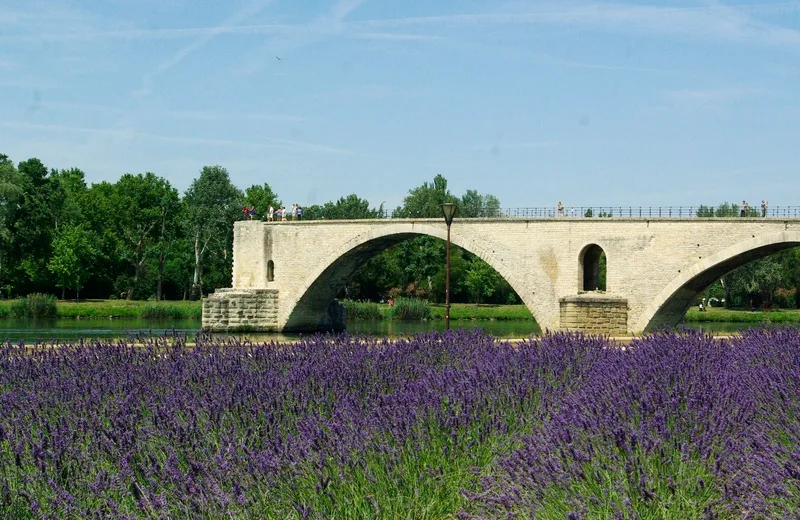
(705, 211)
(74, 255)
(473, 204)
(213, 204)
(790, 261)
(69, 187)
(727, 210)
(33, 226)
(143, 204)
(425, 201)
(420, 259)
(481, 281)
(169, 234)
(753, 284)
(10, 195)
(351, 207)
(99, 211)
(261, 197)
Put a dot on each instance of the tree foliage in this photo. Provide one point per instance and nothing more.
(74, 256)
(213, 203)
(261, 197)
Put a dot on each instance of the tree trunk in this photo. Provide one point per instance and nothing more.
(137, 270)
(160, 275)
(196, 277)
(797, 296)
(200, 287)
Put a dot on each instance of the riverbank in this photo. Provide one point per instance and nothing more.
(715, 315)
(180, 310)
(192, 310)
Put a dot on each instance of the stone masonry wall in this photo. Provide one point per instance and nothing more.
(594, 314)
(242, 310)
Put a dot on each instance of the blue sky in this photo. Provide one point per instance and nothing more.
(588, 102)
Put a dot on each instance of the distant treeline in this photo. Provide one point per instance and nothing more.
(138, 238)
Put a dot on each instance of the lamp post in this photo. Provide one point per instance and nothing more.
(449, 211)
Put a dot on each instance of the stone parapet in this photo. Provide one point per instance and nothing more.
(229, 310)
(594, 313)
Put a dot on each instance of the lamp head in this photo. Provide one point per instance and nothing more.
(449, 211)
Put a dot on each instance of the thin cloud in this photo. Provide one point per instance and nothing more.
(395, 36)
(327, 25)
(200, 115)
(178, 33)
(124, 135)
(238, 17)
(709, 98)
(518, 145)
(611, 68)
(219, 116)
(728, 24)
(715, 22)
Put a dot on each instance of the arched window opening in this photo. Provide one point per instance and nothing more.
(270, 271)
(594, 268)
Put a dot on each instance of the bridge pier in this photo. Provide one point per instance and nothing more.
(241, 310)
(257, 310)
(594, 313)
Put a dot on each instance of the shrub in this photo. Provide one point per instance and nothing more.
(362, 310)
(35, 305)
(410, 309)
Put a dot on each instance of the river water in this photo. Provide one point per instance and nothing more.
(72, 329)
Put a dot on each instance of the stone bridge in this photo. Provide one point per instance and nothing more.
(286, 274)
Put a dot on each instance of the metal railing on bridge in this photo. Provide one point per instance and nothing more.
(649, 212)
(678, 212)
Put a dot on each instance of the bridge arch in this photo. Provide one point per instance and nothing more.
(320, 288)
(592, 268)
(670, 305)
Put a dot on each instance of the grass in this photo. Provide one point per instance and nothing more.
(458, 311)
(718, 314)
(369, 310)
(475, 311)
(120, 309)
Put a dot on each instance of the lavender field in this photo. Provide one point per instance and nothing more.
(455, 425)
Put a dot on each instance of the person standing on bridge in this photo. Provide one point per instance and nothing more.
(743, 209)
(299, 212)
(283, 213)
(270, 214)
(764, 208)
(560, 209)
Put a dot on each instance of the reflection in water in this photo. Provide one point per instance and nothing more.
(70, 330)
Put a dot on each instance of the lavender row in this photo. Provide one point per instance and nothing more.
(675, 426)
(565, 426)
